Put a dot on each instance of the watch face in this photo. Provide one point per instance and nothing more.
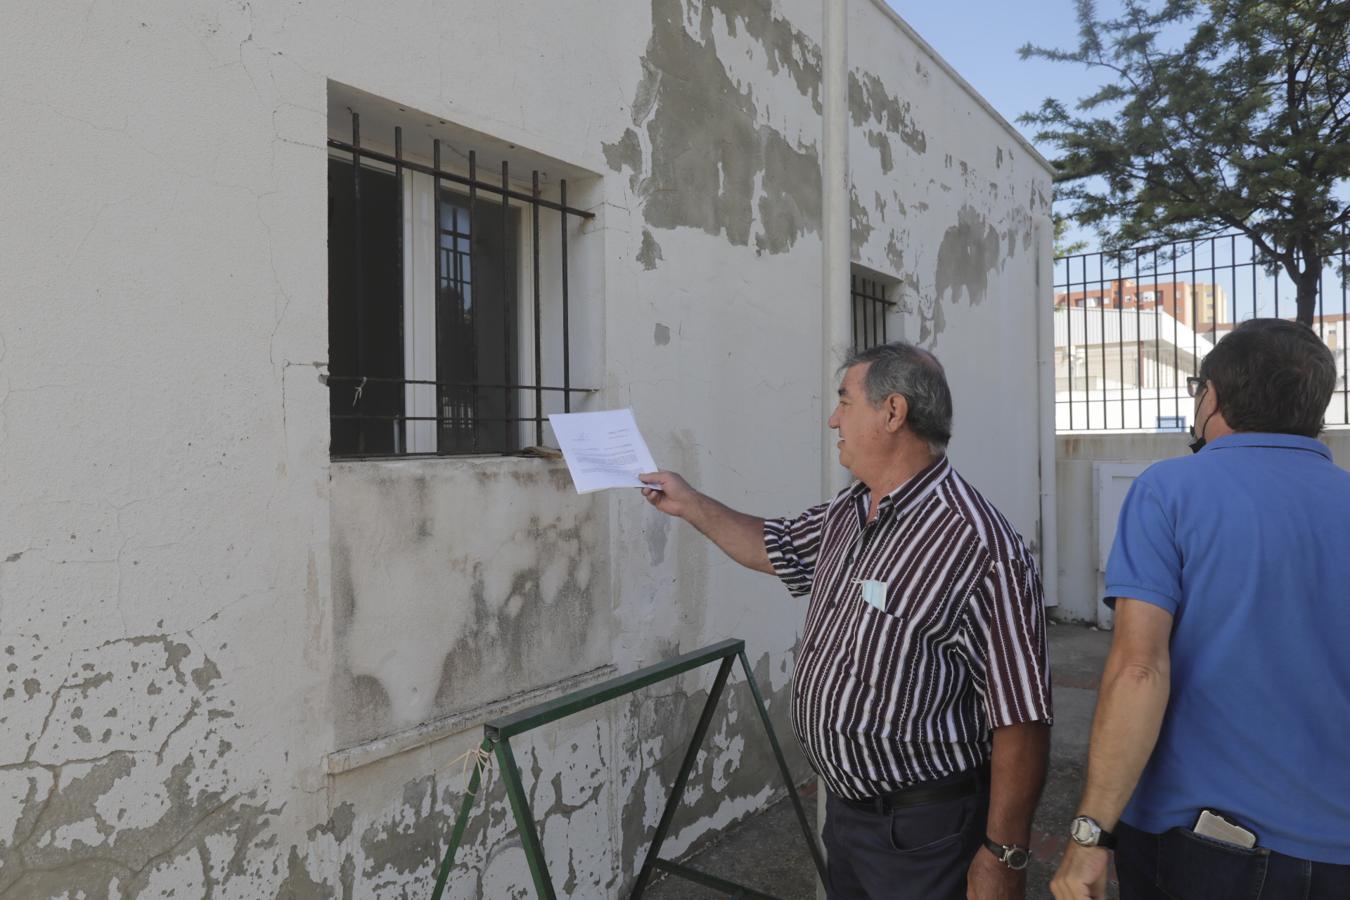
(1085, 831)
(1018, 858)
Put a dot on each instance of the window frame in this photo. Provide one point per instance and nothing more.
(870, 306)
(422, 189)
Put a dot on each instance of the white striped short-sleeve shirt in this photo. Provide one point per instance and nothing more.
(925, 631)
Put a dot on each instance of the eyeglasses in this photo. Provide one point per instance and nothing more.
(1193, 385)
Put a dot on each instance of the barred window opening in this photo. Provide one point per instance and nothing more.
(442, 320)
(872, 304)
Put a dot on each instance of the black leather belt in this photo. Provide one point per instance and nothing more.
(955, 787)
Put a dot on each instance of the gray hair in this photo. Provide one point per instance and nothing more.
(916, 375)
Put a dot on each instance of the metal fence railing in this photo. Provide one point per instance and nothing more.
(1130, 327)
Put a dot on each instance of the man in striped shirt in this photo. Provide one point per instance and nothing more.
(921, 690)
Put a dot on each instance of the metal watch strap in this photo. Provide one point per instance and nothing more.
(1014, 857)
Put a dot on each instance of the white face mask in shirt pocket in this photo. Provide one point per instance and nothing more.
(874, 628)
(873, 593)
(880, 596)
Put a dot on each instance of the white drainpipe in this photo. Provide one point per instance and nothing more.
(1045, 380)
(836, 322)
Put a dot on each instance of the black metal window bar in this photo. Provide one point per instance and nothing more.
(1142, 320)
(476, 246)
(870, 306)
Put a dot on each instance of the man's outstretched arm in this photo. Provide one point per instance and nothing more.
(739, 535)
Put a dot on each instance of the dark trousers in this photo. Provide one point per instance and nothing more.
(1181, 865)
(908, 853)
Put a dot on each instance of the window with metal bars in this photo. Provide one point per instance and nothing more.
(440, 309)
(870, 307)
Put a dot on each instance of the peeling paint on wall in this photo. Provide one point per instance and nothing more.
(870, 101)
(77, 830)
(299, 884)
(627, 151)
(583, 776)
(895, 253)
(121, 791)
(883, 147)
(860, 225)
(650, 253)
(402, 847)
(711, 163)
(969, 252)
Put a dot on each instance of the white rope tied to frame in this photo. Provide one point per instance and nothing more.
(481, 760)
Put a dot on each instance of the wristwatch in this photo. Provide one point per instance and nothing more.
(1014, 857)
(1087, 832)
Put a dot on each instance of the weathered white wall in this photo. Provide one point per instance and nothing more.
(1078, 521)
(946, 201)
(444, 596)
(235, 669)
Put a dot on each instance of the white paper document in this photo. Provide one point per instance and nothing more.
(602, 449)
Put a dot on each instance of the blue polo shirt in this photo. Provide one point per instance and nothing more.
(1247, 544)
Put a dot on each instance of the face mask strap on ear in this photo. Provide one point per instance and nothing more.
(1199, 443)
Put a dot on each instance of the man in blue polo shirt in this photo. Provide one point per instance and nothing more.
(1227, 687)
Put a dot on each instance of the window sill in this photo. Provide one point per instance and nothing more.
(547, 454)
(340, 762)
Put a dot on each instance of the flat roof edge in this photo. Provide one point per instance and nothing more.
(947, 67)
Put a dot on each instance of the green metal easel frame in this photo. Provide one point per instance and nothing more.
(497, 736)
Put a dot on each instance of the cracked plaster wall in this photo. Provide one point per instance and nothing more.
(191, 611)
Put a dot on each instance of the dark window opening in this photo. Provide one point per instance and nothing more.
(365, 416)
(870, 306)
(432, 347)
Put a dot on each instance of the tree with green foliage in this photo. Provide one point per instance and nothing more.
(1063, 246)
(1243, 126)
